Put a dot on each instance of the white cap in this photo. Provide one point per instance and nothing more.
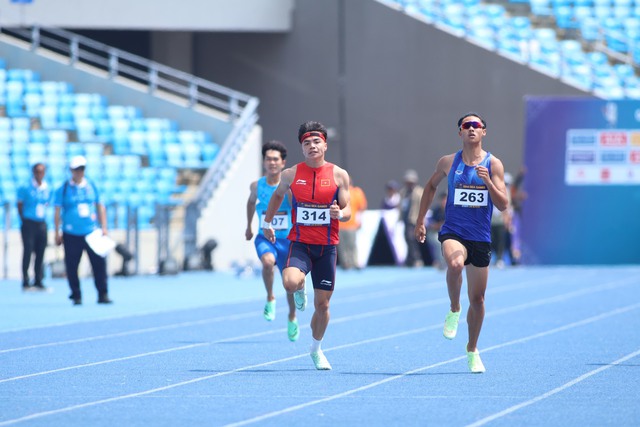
(411, 176)
(77, 161)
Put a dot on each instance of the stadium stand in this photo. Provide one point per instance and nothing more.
(591, 44)
(135, 160)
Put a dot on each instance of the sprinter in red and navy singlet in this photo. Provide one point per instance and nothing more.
(475, 185)
(320, 200)
(314, 190)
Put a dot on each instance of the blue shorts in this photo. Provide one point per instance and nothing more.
(279, 249)
(320, 260)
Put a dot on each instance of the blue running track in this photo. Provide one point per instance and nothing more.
(561, 346)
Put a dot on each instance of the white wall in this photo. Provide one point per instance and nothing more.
(224, 218)
(192, 15)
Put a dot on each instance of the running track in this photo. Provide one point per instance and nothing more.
(561, 346)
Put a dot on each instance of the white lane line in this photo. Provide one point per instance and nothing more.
(382, 312)
(333, 397)
(425, 368)
(248, 315)
(550, 393)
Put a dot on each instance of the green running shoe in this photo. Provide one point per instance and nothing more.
(292, 330)
(451, 325)
(300, 298)
(474, 362)
(270, 310)
(321, 362)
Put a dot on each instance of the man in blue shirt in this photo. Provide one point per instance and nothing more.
(33, 200)
(79, 210)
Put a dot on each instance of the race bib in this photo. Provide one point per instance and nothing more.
(83, 210)
(471, 196)
(280, 221)
(40, 210)
(310, 214)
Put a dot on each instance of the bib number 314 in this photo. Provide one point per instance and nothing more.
(313, 215)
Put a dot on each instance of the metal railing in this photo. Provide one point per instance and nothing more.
(241, 109)
(116, 63)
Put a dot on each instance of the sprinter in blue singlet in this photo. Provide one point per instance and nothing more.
(475, 185)
(274, 155)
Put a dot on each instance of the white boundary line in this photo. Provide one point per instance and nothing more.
(414, 371)
(552, 392)
(233, 317)
(346, 393)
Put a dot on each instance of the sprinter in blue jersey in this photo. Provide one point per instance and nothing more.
(475, 186)
(78, 212)
(274, 155)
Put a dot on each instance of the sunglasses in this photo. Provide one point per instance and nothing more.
(475, 125)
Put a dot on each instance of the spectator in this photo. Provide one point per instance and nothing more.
(391, 198)
(500, 223)
(348, 248)
(518, 196)
(435, 219)
(33, 200)
(409, 206)
(78, 212)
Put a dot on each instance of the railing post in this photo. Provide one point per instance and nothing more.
(35, 38)
(193, 93)
(5, 240)
(74, 51)
(153, 79)
(234, 108)
(113, 63)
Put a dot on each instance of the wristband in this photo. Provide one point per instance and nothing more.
(340, 215)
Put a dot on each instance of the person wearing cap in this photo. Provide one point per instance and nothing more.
(78, 212)
(321, 200)
(391, 198)
(409, 206)
(33, 201)
(475, 181)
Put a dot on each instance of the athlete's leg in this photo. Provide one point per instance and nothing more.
(268, 261)
(320, 318)
(454, 254)
(293, 279)
(477, 278)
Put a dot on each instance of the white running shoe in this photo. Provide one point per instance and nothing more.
(321, 362)
(474, 362)
(451, 325)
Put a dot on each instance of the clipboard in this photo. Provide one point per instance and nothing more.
(99, 243)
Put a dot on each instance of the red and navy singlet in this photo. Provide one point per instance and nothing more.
(314, 190)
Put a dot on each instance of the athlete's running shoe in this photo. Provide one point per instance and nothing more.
(321, 362)
(270, 310)
(451, 325)
(292, 330)
(474, 362)
(300, 298)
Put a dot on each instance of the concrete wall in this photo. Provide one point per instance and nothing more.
(405, 85)
(192, 15)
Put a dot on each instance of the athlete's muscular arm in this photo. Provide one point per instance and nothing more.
(342, 209)
(495, 183)
(429, 192)
(286, 178)
(251, 208)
